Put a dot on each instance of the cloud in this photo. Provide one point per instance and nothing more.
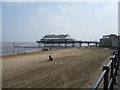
(42, 10)
(70, 9)
(64, 9)
(111, 8)
(33, 20)
(75, 20)
(77, 9)
(98, 14)
(36, 18)
(57, 24)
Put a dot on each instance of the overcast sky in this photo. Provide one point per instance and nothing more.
(30, 21)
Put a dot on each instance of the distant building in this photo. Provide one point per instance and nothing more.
(57, 38)
(111, 40)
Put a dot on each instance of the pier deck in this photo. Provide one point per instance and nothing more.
(68, 43)
(59, 44)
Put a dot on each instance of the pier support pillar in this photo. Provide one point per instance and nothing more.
(69, 44)
(62, 45)
(65, 44)
(45, 45)
(13, 44)
(96, 44)
(88, 44)
(39, 44)
(72, 44)
(58, 44)
(80, 44)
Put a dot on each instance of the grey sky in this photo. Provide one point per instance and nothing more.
(30, 21)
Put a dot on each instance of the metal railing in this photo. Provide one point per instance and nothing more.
(111, 68)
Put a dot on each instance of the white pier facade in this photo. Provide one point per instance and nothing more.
(62, 40)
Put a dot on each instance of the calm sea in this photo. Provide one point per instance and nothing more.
(8, 49)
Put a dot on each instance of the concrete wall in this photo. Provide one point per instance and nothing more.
(115, 43)
(105, 42)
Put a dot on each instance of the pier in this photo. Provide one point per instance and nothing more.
(19, 46)
(62, 44)
(66, 43)
(58, 41)
(62, 40)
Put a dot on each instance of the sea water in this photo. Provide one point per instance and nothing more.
(8, 49)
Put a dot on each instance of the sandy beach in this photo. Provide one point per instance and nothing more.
(71, 68)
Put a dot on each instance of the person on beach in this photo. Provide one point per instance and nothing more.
(50, 58)
(13, 52)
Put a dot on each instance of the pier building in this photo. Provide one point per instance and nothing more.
(62, 40)
(57, 38)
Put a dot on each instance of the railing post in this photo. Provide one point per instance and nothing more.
(111, 74)
(115, 67)
(106, 77)
(118, 54)
(117, 60)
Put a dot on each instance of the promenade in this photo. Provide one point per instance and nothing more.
(117, 86)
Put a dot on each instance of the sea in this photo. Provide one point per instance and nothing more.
(6, 48)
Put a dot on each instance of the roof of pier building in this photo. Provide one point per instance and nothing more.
(60, 37)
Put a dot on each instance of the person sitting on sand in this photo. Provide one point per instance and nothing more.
(13, 52)
(50, 58)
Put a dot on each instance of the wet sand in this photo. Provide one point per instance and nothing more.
(71, 68)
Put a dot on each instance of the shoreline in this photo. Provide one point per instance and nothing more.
(32, 52)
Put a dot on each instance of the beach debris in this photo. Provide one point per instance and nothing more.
(50, 58)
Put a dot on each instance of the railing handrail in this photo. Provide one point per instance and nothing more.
(99, 80)
(114, 62)
(110, 63)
